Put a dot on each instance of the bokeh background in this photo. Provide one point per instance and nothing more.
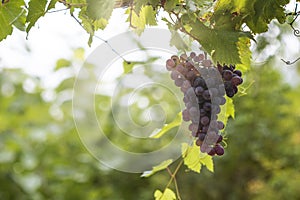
(42, 157)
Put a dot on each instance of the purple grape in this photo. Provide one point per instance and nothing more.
(199, 90)
(237, 72)
(227, 75)
(219, 150)
(236, 80)
(192, 54)
(202, 136)
(220, 139)
(221, 125)
(204, 120)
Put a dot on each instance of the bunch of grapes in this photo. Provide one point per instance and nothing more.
(204, 87)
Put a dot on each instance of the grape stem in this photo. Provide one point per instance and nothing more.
(173, 178)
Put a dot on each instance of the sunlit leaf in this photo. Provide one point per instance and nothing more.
(61, 63)
(194, 158)
(157, 168)
(98, 9)
(9, 13)
(157, 133)
(35, 11)
(167, 195)
(227, 110)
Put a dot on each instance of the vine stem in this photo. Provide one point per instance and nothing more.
(103, 40)
(72, 4)
(173, 178)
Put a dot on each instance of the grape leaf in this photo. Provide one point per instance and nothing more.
(167, 195)
(170, 5)
(263, 12)
(51, 5)
(244, 53)
(147, 16)
(20, 22)
(91, 25)
(9, 13)
(157, 133)
(61, 63)
(194, 158)
(35, 11)
(97, 9)
(177, 41)
(157, 168)
(256, 14)
(222, 45)
(227, 110)
(138, 4)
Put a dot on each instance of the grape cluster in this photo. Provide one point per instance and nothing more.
(232, 78)
(204, 87)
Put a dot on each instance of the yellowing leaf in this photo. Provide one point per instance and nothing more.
(98, 9)
(227, 110)
(157, 133)
(194, 159)
(167, 195)
(147, 16)
(157, 168)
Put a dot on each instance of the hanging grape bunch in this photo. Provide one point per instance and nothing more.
(204, 86)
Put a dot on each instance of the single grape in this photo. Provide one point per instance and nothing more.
(219, 150)
(212, 152)
(199, 81)
(204, 120)
(199, 90)
(186, 115)
(201, 136)
(175, 59)
(207, 106)
(236, 80)
(175, 74)
(220, 139)
(227, 75)
(221, 125)
(206, 95)
(199, 142)
(178, 82)
(237, 72)
(194, 112)
(192, 54)
(170, 64)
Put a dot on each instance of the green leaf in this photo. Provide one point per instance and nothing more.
(98, 9)
(177, 41)
(244, 53)
(171, 4)
(194, 158)
(9, 13)
(35, 11)
(227, 110)
(91, 25)
(167, 195)
(147, 16)
(256, 14)
(61, 63)
(138, 4)
(263, 12)
(157, 133)
(157, 168)
(20, 23)
(51, 5)
(222, 45)
(129, 65)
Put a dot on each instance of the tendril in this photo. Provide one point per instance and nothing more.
(289, 62)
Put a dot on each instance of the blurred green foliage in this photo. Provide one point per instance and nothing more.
(41, 156)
